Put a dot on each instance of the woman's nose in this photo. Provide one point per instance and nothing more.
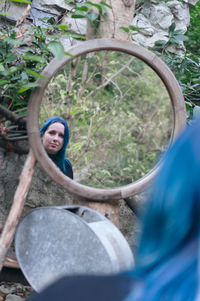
(55, 137)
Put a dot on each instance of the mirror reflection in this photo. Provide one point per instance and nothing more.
(119, 116)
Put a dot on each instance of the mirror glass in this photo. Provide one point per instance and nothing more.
(119, 114)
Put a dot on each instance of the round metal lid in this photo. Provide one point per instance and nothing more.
(51, 242)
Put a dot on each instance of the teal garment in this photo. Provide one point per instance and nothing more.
(86, 288)
(59, 158)
(166, 263)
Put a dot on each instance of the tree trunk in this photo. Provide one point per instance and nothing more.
(121, 14)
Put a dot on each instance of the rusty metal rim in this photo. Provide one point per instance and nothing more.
(172, 86)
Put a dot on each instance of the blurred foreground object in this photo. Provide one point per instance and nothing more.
(55, 241)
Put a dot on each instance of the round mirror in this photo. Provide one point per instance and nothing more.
(123, 107)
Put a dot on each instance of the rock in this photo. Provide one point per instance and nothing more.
(51, 7)
(161, 16)
(13, 291)
(43, 190)
(181, 13)
(59, 4)
(153, 20)
(14, 10)
(76, 26)
(13, 298)
(5, 290)
(192, 2)
(37, 17)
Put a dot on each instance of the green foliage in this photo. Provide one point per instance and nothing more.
(185, 67)
(83, 10)
(175, 37)
(22, 59)
(119, 116)
(193, 31)
(186, 70)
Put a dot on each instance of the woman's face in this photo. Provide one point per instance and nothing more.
(53, 138)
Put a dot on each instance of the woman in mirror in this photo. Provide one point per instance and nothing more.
(55, 138)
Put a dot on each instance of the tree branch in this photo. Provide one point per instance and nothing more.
(11, 116)
(109, 79)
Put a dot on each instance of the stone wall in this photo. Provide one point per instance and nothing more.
(45, 192)
(154, 19)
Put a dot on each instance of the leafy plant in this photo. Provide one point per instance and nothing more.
(22, 59)
(83, 10)
(175, 37)
(193, 42)
(185, 67)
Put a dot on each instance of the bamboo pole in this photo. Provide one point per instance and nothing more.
(17, 206)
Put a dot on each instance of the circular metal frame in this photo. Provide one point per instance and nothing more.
(53, 67)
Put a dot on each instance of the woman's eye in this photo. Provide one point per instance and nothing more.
(51, 132)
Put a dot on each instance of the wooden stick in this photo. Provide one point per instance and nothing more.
(17, 206)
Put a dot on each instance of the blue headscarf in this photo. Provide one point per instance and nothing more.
(167, 257)
(59, 158)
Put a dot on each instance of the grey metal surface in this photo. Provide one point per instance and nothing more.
(54, 241)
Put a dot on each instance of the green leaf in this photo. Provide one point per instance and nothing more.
(78, 16)
(82, 8)
(2, 69)
(10, 58)
(21, 1)
(178, 31)
(95, 5)
(180, 38)
(62, 27)
(34, 58)
(105, 4)
(126, 29)
(172, 27)
(160, 43)
(24, 76)
(4, 14)
(68, 54)
(56, 49)
(35, 74)
(75, 36)
(3, 82)
(70, 2)
(134, 28)
(27, 87)
(12, 42)
(16, 77)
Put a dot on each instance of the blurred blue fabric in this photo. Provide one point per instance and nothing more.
(166, 262)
